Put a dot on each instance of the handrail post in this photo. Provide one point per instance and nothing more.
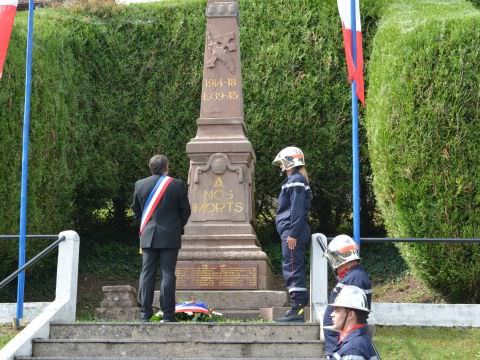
(318, 278)
(61, 310)
(67, 274)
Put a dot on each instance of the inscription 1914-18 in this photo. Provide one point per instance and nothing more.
(217, 89)
(224, 275)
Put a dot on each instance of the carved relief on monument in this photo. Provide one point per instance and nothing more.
(219, 48)
(222, 191)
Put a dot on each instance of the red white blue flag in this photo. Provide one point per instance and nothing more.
(191, 307)
(153, 199)
(354, 72)
(8, 9)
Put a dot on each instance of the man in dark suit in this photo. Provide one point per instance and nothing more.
(160, 237)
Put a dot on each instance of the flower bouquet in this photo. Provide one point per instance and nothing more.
(192, 311)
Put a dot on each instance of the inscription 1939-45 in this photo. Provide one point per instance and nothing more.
(217, 89)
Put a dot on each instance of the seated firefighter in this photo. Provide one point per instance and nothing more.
(349, 317)
(343, 255)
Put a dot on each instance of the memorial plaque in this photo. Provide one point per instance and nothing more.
(217, 275)
(219, 246)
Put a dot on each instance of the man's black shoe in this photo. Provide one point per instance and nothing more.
(145, 317)
(295, 314)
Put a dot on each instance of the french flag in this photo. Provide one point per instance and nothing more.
(354, 72)
(191, 307)
(8, 9)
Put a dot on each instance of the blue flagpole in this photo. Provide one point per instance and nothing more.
(24, 183)
(355, 144)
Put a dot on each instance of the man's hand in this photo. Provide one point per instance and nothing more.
(291, 243)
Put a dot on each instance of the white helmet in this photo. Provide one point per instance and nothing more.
(342, 249)
(351, 297)
(289, 157)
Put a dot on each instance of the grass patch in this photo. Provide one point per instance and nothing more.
(405, 289)
(7, 332)
(427, 343)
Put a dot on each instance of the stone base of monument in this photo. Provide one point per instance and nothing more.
(226, 262)
(270, 314)
(119, 304)
(234, 304)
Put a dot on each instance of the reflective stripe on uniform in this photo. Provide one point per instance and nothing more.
(296, 289)
(296, 184)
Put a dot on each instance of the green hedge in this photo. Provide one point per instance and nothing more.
(52, 160)
(110, 88)
(113, 85)
(422, 127)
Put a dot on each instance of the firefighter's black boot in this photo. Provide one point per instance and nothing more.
(295, 314)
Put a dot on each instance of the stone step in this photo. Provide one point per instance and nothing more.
(179, 349)
(232, 299)
(240, 314)
(186, 331)
(270, 314)
(120, 302)
(152, 358)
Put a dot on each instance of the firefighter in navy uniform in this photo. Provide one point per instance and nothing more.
(291, 221)
(343, 255)
(349, 318)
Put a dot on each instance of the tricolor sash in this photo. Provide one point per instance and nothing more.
(153, 199)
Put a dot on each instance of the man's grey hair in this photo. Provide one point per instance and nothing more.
(158, 164)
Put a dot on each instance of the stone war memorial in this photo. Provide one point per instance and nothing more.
(220, 248)
(221, 262)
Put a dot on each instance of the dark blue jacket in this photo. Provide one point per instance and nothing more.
(293, 205)
(356, 276)
(356, 345)
(165, 227)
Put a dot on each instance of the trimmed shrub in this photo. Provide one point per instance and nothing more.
(114, 84)
(52, 158)
(296, 93)
(423, 105)
(109, 90)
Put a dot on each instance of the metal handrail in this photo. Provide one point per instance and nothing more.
(417, 240)
(421, 240)
(319, 268)
(15, 237)
(32, 261)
